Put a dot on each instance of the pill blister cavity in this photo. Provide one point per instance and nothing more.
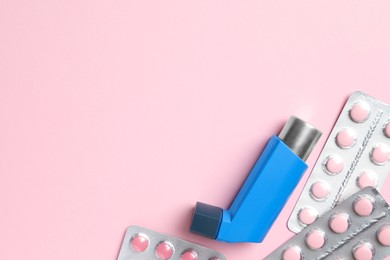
(334, 164)
(386, 130)
(320, 190)
(315, 239)
(380, 154)
(366, 179)
(359, 112)
(383, 235)
(164, 250)
(292, 253)
(139, 243)
(189, 255)
(307, 215)
(363, 251)
(363, 206)
(346, 138)
(339, 222)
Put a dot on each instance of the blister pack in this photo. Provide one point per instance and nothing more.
(358, 228)
(141, 243)
(356, 155)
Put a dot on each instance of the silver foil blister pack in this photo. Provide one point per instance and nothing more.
(357, 228)
(356, 155)
(141, 243)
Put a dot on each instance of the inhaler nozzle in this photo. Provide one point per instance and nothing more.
(299, 136)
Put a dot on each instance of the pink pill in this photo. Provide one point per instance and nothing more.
(189, 255)
(334, 165)
(383, 235)
(380, 154)
(164, 250)
(292, 253)
(386, 130)
(339, 222)
(359, 112)
(363, 251)
(139, 243)
(320, 190)
(307, 216)
(363, 206)
(315, 239)
(367, 179)
(346, 138)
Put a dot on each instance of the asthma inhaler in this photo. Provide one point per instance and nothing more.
(264, 192)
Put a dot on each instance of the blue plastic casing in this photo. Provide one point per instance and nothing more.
(263, 194)
(259, 201)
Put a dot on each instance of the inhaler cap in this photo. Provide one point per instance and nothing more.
(206, 220)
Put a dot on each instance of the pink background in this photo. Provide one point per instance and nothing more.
(115, 113)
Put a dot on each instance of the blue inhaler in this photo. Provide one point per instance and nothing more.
(264, 192)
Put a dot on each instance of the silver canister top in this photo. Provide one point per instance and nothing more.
(299, 136)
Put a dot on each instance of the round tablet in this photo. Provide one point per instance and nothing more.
(346, 138)
(164, 250)
(383, 235)
(359, 112)
(320, 190)
(386, 130)
(315, 239)
(367, 179)
(139, 242)
(189, 255)
(363, 251)
(380, 154)
(363, 206)
(334, 164)
(339, 222)
(292, 253)
(307, 216)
